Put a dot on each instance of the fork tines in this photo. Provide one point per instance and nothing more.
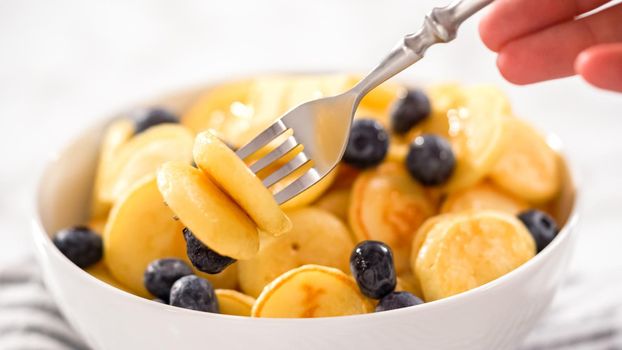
(269, 134)
(300, 180)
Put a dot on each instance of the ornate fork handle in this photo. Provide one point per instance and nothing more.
(440, 26)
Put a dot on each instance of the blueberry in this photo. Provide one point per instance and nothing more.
(371, 264)
(204, 258)
(162, 273)
(80, 244)
(147, 118)
(367, 145)
(397, 300)
(409, 111)
(195, 293)
(542, 227)
(430, 160)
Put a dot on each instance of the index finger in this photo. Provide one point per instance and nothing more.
(511, 19)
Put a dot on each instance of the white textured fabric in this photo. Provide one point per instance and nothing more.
(29, 319)
(586, 315)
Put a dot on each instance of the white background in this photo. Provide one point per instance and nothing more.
(63, 64)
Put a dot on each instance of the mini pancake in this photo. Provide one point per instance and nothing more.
(336, 201)
(116, 134)
(528, 167)
(477, 134)
(209, 213)
(223, 109)
(232, 302)
(141, 229)
(230, 173)
(143, 154)
(317, 237)
(389, 206)
(311, 291)
(470, 251)
(483, 196)
(101, 272)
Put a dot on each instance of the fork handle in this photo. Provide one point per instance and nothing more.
(439, 26)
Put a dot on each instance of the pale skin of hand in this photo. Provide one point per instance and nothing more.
(540, 40)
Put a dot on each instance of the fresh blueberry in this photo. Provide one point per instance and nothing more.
(147, 118)
(204, 258)
(542, 227)
(195, 293)
(367, 145)
(80, 244)
(162, 273)
(430, 160)
(397, 300)
(371, 264)
(409, 111)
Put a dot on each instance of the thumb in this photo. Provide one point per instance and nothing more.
(601, 66)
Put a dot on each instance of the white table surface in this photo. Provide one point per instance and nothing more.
(65, 63)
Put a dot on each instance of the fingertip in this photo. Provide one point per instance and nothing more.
(581, 63)
(601, 66)
(510, 67)
(488, 34)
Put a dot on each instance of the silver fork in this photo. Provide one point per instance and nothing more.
(322, 126)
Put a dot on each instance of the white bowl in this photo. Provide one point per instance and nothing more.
(494, 316)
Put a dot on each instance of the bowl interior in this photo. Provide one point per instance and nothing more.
(66, 186)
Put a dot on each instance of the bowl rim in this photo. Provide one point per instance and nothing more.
(41, 236)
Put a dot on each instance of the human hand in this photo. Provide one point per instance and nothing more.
(540, 40)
